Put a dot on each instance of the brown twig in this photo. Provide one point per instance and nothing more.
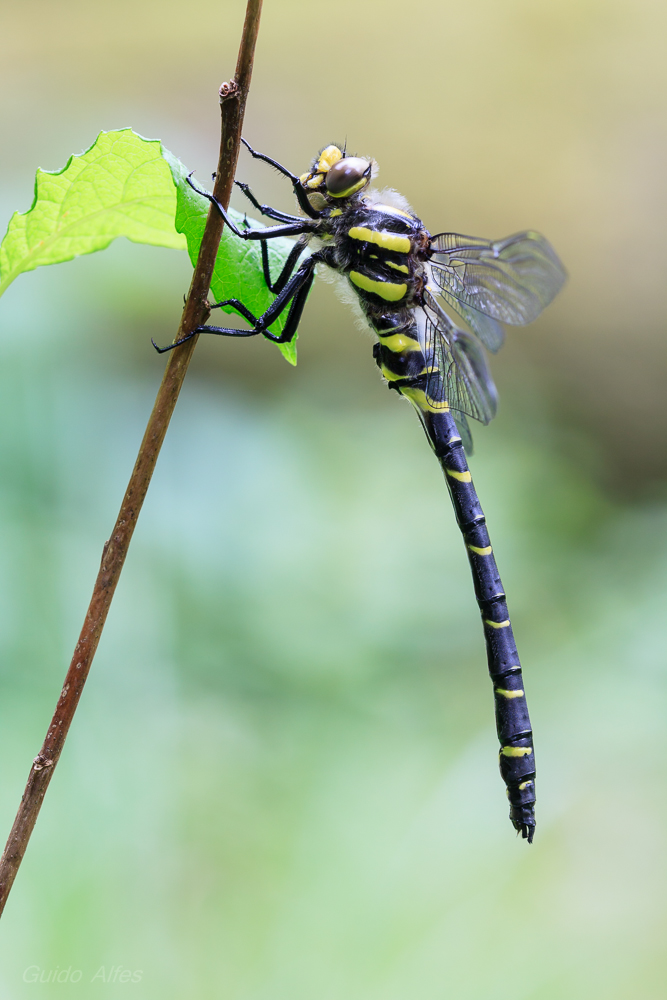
(233, 98)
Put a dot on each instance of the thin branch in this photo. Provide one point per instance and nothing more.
(233, 98)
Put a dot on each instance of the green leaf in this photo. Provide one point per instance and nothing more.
(238, 270)
(125, 185)
(121, 186)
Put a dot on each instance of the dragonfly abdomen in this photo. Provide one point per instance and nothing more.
(398, 351)
(517, 756)
(399, 354)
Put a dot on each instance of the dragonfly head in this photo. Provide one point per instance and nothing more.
(334, 175)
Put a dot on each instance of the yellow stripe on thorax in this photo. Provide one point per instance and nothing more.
(398, 267)
(388, 241)
(398, 343)
(390, 210)
(463, 477)
(387, 290)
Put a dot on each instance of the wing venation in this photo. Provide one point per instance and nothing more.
(456, 366)
(510, 280)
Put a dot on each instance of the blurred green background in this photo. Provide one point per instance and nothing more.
(281, 781)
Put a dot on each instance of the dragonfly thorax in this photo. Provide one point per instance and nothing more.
(380, 250)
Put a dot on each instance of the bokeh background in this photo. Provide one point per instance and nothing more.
(281, 781)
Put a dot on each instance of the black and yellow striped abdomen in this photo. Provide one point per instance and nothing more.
(398, 352)
(400, 357)
(517, 756)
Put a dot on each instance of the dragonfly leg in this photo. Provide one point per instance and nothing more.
(293, 295)
(299, 192)
(269, 160)
(240, 308)
(270, 233)
(277, 286)
(271, 213)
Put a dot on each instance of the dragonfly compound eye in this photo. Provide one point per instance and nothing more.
(347, 176)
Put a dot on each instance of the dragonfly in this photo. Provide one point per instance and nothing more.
(436, 305)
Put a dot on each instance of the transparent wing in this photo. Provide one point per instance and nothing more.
(489, 330)
(510, 280)
(463, 427)
(457, 368)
